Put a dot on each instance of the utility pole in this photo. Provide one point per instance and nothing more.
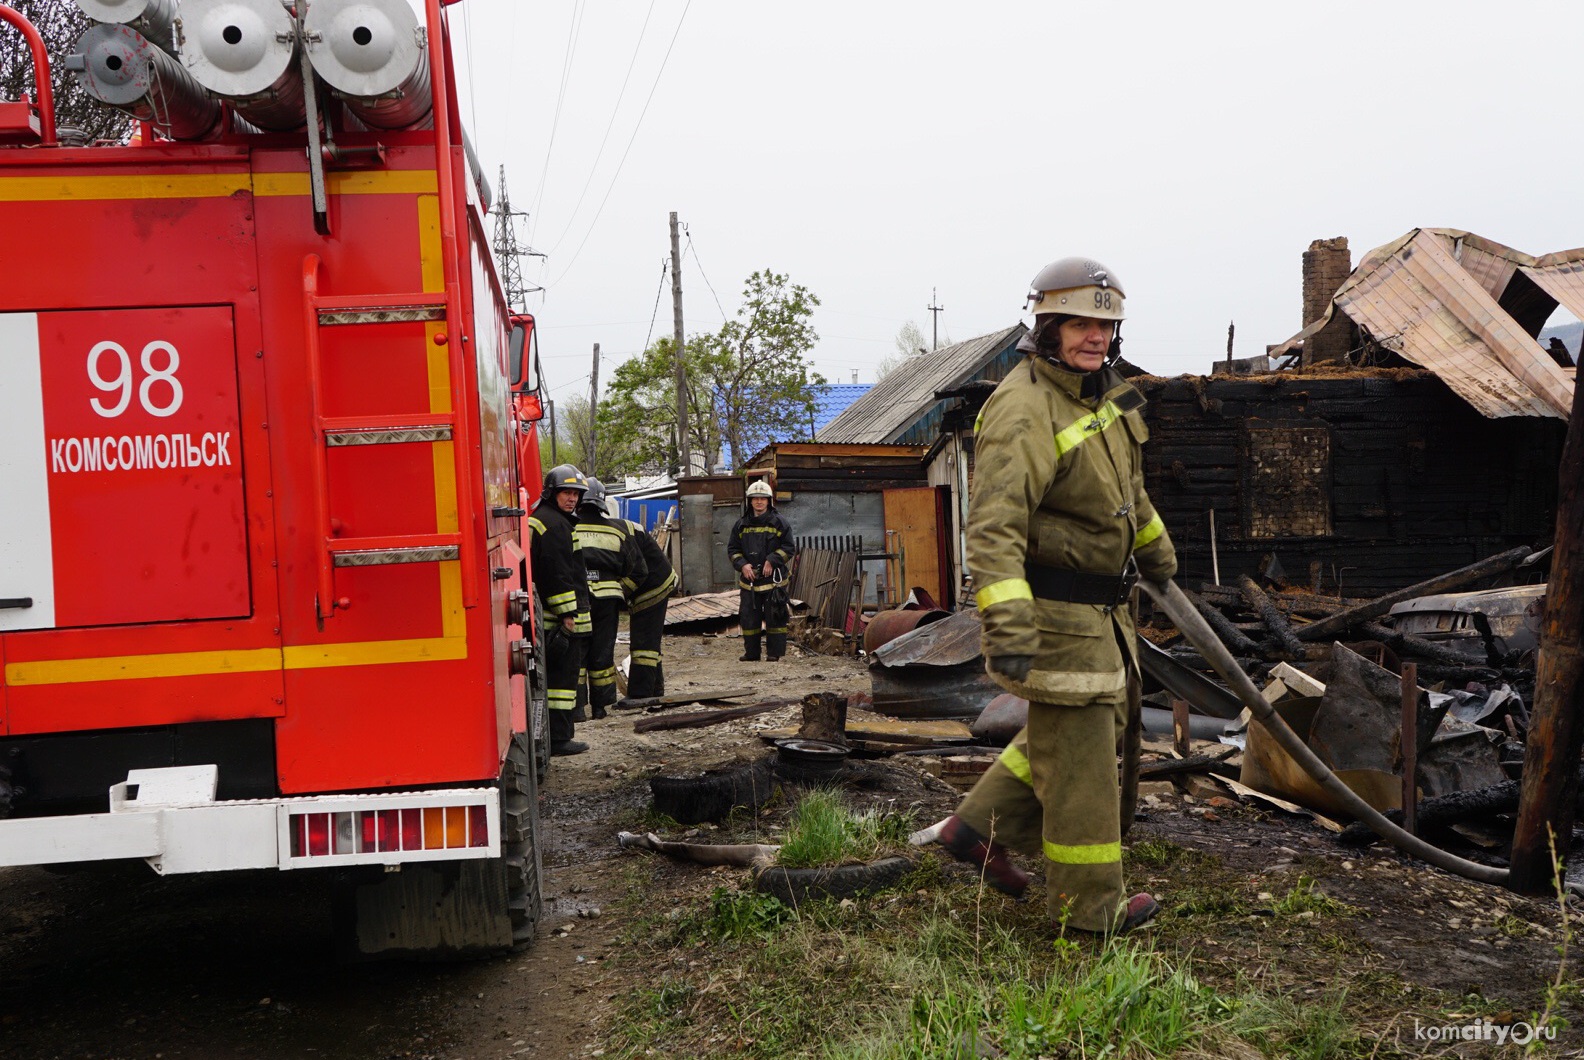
(555, 456)
(593, 405)
(935, 312)
(685, 450)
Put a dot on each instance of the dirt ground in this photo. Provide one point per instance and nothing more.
(118, 963)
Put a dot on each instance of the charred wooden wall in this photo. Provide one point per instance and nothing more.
(1381, 478)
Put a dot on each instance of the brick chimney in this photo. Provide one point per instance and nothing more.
(1326, 266)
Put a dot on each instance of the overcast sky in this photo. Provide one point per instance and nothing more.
(879, 151)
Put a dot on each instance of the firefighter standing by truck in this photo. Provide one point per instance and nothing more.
(562, 584)
(615, 568)
(760, 548)
(647, 622)
(1059, 531)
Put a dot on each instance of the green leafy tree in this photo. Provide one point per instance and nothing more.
(748, 384)
(60, 23)
(638, 416)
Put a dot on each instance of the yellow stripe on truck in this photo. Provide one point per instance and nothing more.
(247, 660)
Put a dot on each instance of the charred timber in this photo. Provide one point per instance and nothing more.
(1230, 635)
(1286, 640)
(1446, 583)
(1439, 811)
(1556, 730)
(1409, 644)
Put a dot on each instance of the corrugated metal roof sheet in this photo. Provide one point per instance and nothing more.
(832, 400)
(908, 393)
(1561, 279)
(1432, 298)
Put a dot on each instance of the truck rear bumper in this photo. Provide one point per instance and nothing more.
(170, 818)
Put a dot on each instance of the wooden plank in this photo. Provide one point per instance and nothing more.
(893, 731)
(697, 719)
(706, 696)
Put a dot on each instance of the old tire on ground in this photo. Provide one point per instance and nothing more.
(455, 909)
(843, 881)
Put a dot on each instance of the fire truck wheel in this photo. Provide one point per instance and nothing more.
(455, 909)
(520, 839)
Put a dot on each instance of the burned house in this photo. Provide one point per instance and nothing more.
(1355, 481)
(1422, 432)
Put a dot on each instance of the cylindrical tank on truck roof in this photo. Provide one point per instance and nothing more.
(152, 18)
(245, 51)
(372, 54)
(120, 67)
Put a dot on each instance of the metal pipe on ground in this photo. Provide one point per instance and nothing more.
(1172, 600)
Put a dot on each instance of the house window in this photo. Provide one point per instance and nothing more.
(1287, 482)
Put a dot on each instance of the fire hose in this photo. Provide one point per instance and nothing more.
(1193, 626)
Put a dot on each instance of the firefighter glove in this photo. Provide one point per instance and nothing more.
(1015, 667)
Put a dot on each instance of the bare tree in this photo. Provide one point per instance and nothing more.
(910, 342)
(60, 23)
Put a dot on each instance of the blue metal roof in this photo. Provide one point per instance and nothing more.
(833, 400)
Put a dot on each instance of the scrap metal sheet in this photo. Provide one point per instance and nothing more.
(1563, 281)
(1417, 300)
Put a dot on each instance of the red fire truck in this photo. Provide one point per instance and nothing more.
(263, 582)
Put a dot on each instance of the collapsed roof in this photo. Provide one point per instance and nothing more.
(1468, 309)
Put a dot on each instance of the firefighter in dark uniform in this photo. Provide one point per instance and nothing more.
(760, 548)
(647, 623)
(562, 585)
(1059, 531)
(615, 567)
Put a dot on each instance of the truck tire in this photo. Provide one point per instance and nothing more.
(520, 839)
(455, 909)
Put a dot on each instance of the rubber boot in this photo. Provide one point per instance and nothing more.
(991, 858)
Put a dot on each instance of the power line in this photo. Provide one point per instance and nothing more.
(700, 265)
(630, 141)
(665, 267)
(620, 95)
(566, 76)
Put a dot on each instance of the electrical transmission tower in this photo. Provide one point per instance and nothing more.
(509, 252)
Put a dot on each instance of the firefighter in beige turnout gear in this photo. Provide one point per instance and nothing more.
(1059, 530)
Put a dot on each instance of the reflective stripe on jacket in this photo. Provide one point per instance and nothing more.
(661, 580)
(614, 563)
(1059, 481)
(557, 575)
(756, 538)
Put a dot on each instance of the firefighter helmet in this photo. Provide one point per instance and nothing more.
(1080, 287)
(595, 497)
(761, 488)
(565, 477)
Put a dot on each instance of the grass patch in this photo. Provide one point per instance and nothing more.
(745, 914)
(944, 970)
(1303, 898)
(825, 831)
(1158, 853)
